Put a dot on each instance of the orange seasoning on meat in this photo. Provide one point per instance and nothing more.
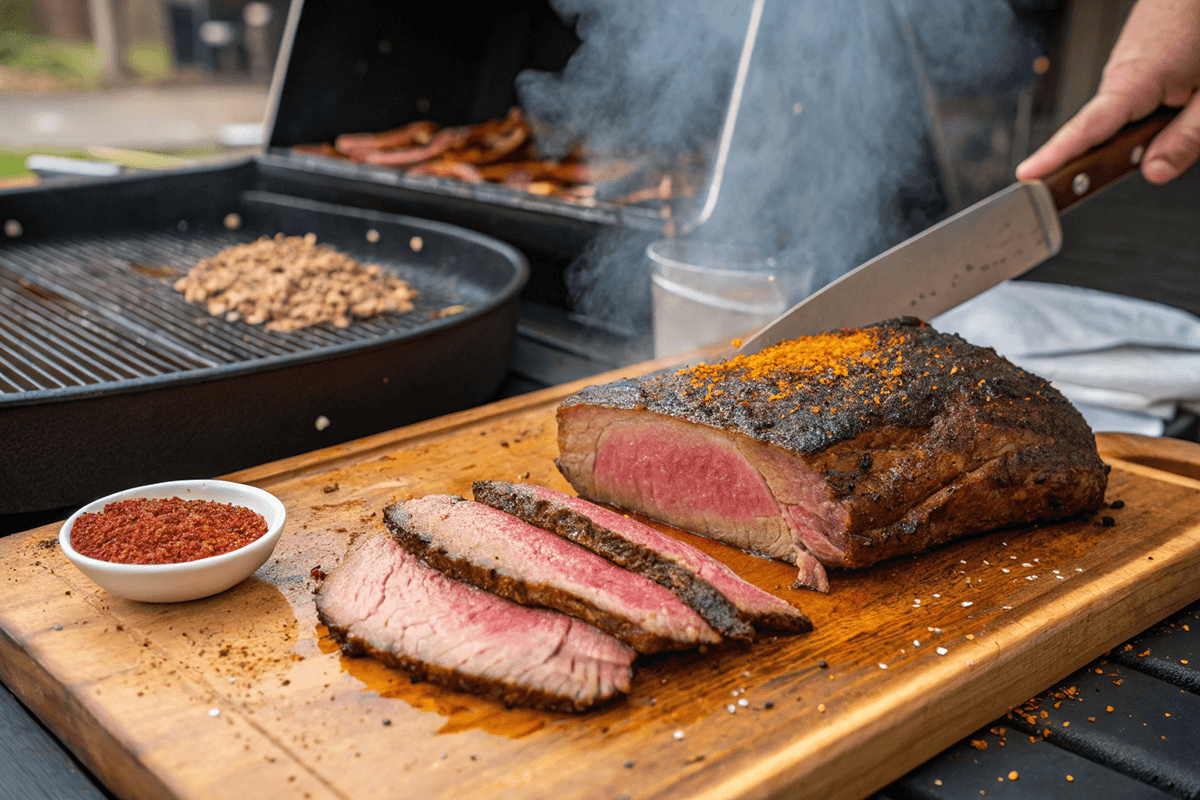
(165, 531)
(791, 361)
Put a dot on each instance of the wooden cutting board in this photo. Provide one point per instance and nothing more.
(243, 694)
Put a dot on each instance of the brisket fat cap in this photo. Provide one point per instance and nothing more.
(841, 449)
(383, 601)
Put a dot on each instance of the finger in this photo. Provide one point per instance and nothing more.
(1098, 120)
(1176, 147)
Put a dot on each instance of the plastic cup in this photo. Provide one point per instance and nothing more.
(703, 293)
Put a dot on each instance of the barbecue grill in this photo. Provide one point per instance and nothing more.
(360, 66)
(108, 378)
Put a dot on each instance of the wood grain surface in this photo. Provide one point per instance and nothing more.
(244, 693)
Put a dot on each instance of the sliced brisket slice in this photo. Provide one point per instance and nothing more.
(839, 450)
(498, 552)
(383, 601)
(728, 603)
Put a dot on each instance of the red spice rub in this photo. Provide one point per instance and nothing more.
(165, 531)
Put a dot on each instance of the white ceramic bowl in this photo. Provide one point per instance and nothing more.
(190, 580)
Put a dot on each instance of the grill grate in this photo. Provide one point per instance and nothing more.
(101, 310)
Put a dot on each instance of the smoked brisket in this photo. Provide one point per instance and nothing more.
(495, 551)
(731, 605)
(838, 450)
(383, 601)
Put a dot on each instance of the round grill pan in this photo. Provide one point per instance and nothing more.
(109, 379)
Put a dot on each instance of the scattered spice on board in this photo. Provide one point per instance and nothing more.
(165, 530)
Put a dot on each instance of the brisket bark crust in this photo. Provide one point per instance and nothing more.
(496, 551)
(381, 600)
(841, 449)
(731, 605)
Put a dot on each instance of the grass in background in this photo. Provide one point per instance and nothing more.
(12, 162)
(73, 65)
(150, 61)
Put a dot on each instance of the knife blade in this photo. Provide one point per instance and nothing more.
(996, 239)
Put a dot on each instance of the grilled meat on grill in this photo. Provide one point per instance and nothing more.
(839, 450)
(502, 151)
(443, 141)
(413, 134)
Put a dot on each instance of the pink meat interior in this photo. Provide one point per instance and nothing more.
(486, 536)
(742, 594)
(733, 488)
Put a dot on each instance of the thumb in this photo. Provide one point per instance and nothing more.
(1176, 147)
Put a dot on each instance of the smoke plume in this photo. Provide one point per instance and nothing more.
(833, 158)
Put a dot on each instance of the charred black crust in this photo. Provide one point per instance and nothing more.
(538, 595)
(847, 405)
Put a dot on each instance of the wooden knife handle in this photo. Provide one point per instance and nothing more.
(1106, 163)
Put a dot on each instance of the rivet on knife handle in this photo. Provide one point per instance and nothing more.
(1105, 163)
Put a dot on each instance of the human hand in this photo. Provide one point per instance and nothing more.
(1156, 61)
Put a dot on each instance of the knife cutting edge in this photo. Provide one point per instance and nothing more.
(998, 238)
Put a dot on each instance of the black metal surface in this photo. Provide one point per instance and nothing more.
(1127, 725)
(109, 379)
(1150, 734)
(1169, 652)
(33, 766)
(357, 65)
(982, 767)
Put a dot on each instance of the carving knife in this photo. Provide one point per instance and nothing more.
(998, 238)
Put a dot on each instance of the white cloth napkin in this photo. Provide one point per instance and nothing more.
(1127, 364)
